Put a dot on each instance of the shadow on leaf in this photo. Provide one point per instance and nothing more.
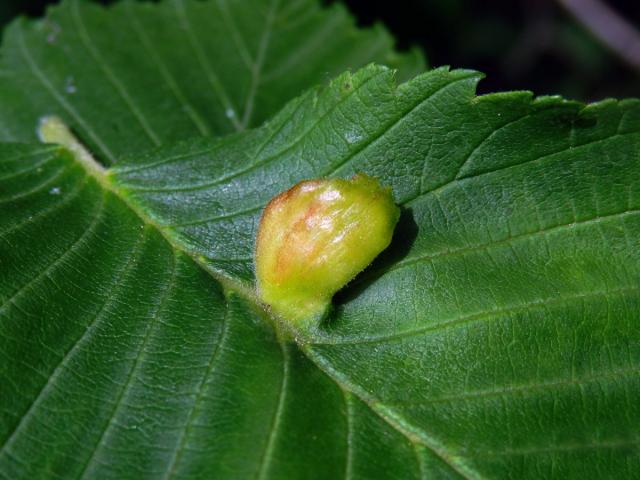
(403, 238)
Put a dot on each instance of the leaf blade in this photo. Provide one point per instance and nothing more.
(138, 380)
(171, 71)
(509, 227)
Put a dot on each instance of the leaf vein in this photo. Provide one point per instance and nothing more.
(334, 168)
(258, 64)
(267, 160)
(212, 77)
(479, 316)
(169, 285)
(392, 125)
(391, 417)
(486, 139)
(96, 215)
(92, 325)
(514, 238)
(72, 195)
(526, 388)
(31, 167)
(191, 112)
(37, 188)
(269, 450)
(211, 367)
(453, 181)
(236, 34)
(44, 81)
(348, 403)
(109, 73)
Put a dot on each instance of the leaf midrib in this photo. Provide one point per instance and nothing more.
(284, 331)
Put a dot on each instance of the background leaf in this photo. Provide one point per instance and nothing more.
(136, 75)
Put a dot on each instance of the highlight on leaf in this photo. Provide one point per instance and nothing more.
(317, 236)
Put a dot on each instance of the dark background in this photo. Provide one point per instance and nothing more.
(520, 44)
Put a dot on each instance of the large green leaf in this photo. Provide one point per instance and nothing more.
(134, 76)
(500, 329)
(497, 338)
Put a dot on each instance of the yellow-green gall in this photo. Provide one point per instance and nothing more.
(315, 237)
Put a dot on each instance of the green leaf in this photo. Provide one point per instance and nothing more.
(133, 76)
(496, 338)
(500, 329)
(122, 358)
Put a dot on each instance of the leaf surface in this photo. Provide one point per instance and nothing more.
(496, 338)
(122, 358)
(499, 329)
(137, 75)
